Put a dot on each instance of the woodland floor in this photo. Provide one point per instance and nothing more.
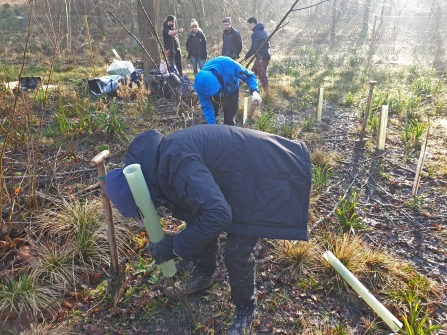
(418, 236)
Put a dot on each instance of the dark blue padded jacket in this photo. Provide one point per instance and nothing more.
(260, 34)
(223, 178)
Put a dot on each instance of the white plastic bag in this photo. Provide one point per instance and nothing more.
(163, 67)
(121, 67)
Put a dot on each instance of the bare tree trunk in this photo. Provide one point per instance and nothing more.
(256, 8)
(334, 22)
(437, 15)
(99, 20)
(194, 12)
(149, 41)
(202, 12)
(364, 31)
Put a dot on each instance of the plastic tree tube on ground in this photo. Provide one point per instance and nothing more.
(142, 197)
(384, 313)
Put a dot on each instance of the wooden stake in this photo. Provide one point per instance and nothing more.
(382, 128)
(417, 178)
(319, 111)
(246, 104)
(372, 40)
(90, 44)
(361, 143)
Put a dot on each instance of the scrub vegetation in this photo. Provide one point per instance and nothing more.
(54, 252)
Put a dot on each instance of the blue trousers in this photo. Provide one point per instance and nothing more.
(196, 60)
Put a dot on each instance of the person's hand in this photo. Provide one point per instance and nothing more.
(180, 30)
(162, 251)
(256, 98)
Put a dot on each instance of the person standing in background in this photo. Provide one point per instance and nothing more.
(260, 34)
(232, 41)
(172, 43)
(196, 46)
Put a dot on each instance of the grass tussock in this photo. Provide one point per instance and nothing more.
(323, 328)
(47, 329)
(287, 91)
(271, 98)
(348, 249)
(55, 265)
(81, 225)
(322, 157)
(23, 293)
(299, 257)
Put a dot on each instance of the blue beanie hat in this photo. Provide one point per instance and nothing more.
(206, 83)
(119, 193)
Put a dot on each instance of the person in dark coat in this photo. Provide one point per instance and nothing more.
(196, 46)
(217, 85)
(260, 34)
(219, 178)
(231, 40)
(171, 43)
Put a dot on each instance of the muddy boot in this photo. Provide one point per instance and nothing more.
(193, 282)
(241, 323)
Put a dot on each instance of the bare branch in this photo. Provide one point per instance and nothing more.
(310, 6)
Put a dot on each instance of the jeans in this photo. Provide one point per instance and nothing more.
(230, 106)
(240, 264)
(197, 60)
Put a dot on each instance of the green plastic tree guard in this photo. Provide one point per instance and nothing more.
(371, 300)
(142, 197)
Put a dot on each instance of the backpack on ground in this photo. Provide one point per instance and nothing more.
(185, 87)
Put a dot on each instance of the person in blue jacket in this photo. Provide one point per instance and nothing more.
(217, 85)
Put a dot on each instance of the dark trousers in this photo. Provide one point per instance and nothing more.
(260, 70)
(240, 264)
(175, 56)
(230, 105)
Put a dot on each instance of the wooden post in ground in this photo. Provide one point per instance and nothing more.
(90, 44)
(245, 120)
(382, 128)
(319, 110)
(417, 177)
(371, 45)
(360, 144)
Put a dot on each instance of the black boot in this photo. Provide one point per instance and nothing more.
(241, 323)
(194, 281)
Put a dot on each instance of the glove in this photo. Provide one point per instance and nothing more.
(162, 251)
(255, 97)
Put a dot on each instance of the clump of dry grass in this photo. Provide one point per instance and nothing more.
(55, 265)
(47, 329)
(299, 257)
(270, 98)
(80, 226)
(321, 328)
(381, 266)
(288, 91)
(349, 251)
(23, 293)
(321, 157)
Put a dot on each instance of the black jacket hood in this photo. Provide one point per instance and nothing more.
(144, 150)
